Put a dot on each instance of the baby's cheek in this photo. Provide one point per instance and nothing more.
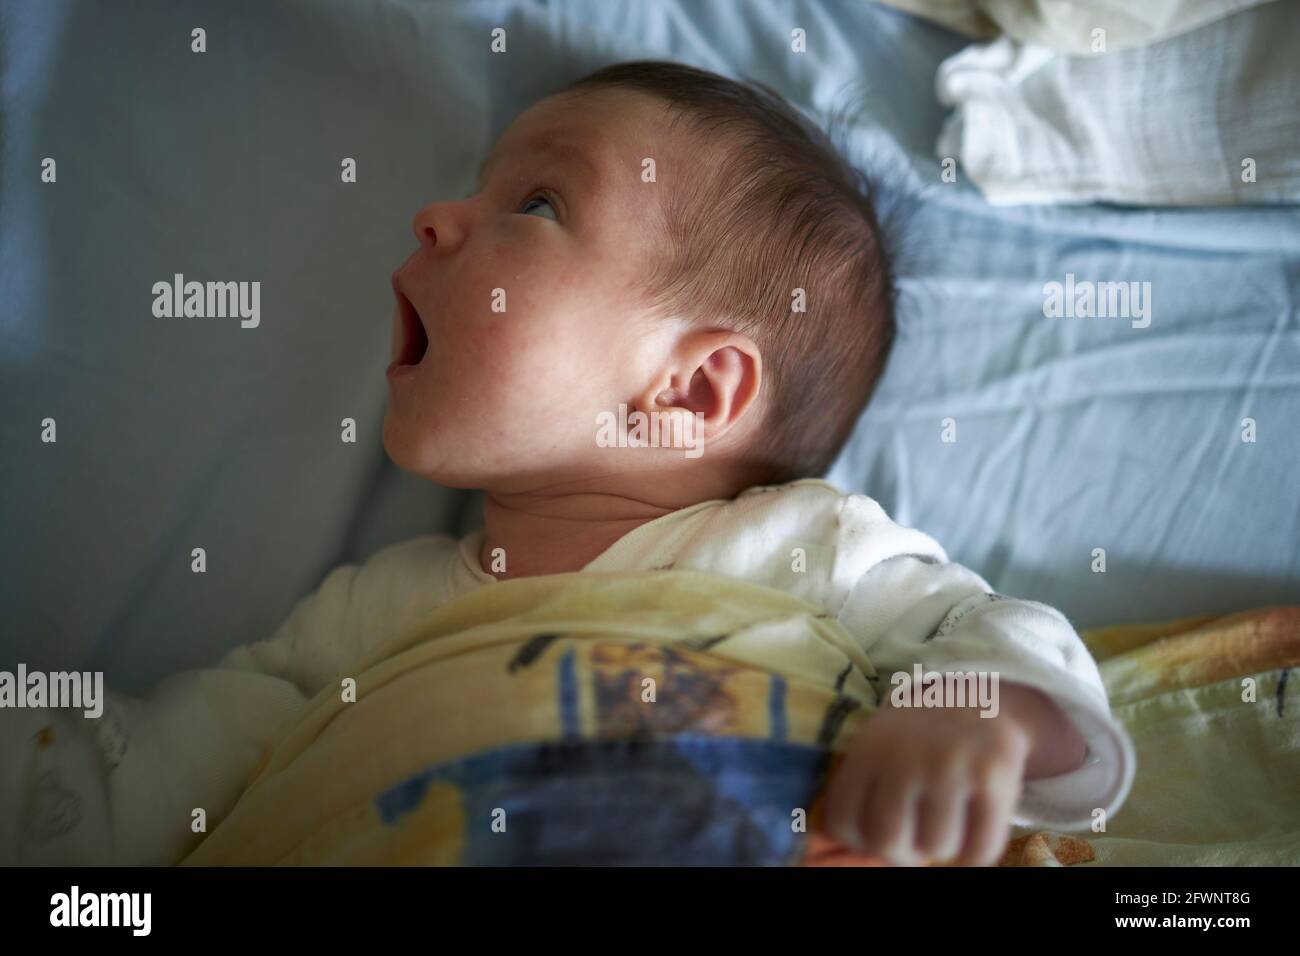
(478, 381)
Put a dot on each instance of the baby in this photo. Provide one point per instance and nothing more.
(661, 241)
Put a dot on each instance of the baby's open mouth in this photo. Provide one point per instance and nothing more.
(415, 341)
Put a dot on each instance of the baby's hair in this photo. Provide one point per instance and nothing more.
(777, 209)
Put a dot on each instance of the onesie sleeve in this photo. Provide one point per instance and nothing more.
(919, 609)
(124, 787)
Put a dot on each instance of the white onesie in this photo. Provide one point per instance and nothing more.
(122, 788)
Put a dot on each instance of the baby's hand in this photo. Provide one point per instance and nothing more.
(922, 785)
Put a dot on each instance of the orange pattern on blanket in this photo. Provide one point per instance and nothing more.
(1211, 650)
(1043, 848)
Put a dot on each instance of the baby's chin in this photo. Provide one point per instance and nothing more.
(442, 460)
(414, 454)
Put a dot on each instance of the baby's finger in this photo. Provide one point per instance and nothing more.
(888, 820)
(940, 821)
(988, 827)
(848, 791)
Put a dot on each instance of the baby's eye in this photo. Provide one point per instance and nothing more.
(529, 207)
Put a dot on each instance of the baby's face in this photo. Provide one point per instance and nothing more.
(524, 292)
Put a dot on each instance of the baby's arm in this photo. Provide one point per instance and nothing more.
(1051, 757)
(122, 788)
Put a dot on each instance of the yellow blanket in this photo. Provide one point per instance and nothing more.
(1217, 736)
(679, 717)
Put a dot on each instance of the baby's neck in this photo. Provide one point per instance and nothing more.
(542, 534)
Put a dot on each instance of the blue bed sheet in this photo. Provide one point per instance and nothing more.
(1071, 434)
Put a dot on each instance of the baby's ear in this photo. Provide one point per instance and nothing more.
(715, 375)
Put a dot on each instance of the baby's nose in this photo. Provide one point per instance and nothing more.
(424, 227)
(443, 225)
